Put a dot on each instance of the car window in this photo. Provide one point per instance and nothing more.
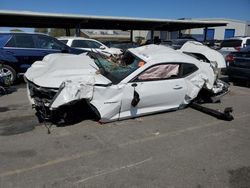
(21, 41)
(11, 42)
(45, 42)
(188, 69)
(80, 44)
(231, 43)
(248, 42)
(93, 44)
(160, 72)
(4, 39)
(64, 41)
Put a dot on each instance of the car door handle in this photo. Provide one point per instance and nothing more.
(177, 87)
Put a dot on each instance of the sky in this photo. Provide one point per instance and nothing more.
(234, 9)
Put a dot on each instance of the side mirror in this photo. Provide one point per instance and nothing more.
(136, 99)
(102, 47)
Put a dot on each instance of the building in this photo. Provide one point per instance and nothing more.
(105, 35)
(233, 28)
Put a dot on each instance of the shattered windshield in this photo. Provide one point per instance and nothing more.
(117, 68)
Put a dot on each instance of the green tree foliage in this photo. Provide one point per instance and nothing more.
(16, 30)
(41, 30)
(55, 32)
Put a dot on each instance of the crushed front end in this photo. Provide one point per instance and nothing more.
(41, 99)
(59, 105)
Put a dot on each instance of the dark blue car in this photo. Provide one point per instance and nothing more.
(19, 50)
(238, 65)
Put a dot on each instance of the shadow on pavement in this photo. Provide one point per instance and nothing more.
(77, 113)
(240, 177)
(17, 125)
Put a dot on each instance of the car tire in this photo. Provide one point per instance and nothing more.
(10, 72)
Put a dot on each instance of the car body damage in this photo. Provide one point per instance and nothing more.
(143, 80)
(199, 49)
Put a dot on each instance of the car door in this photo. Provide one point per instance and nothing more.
(158, 88)
(22, 47)
(96, 45)
(47, 45)
(81, 44)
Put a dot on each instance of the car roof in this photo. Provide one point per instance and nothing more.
(154, 54)
(21, 33)
(238, 38)
(72, 38)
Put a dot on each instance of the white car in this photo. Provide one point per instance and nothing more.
(144, 80)
(233, 45)
(89, 45)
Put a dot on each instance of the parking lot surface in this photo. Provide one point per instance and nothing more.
(184, 148)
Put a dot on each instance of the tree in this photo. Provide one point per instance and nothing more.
(55, 32)
(41, 30)
(16, 30)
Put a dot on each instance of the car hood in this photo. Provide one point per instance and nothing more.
(210, 54)
(55, 69)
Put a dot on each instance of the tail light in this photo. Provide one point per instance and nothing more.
(237, 48)
(230, 58)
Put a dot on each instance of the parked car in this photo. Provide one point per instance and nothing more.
(89, 45)
(121, 45)
(19, 50)
(145, 80)
(214, 44)
(233, 44)
(178, 43)
(238, 65)
(4, 82)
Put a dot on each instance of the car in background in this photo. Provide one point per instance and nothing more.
(18, 51)
(214, 44)
(123, 45)
(89, 45)
(238, 65)
(233, 44)
(178, 43)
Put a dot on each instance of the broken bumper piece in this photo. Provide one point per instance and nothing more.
(52, 104)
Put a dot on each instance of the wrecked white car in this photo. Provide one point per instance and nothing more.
(144, 80)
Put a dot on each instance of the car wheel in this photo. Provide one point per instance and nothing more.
(10, 73)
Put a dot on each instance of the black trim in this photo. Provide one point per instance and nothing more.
(103, 85)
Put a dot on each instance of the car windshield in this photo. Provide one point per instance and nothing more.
(4, 39)
(116, 69)
(231, 43)
(64, 41)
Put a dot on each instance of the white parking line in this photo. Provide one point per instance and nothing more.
(105, 172)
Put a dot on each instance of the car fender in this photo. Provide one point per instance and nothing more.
(8, 59)
(107, 100)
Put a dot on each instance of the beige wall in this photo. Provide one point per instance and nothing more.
(241, 29)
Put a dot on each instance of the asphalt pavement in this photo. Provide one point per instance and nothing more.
(184, 148)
